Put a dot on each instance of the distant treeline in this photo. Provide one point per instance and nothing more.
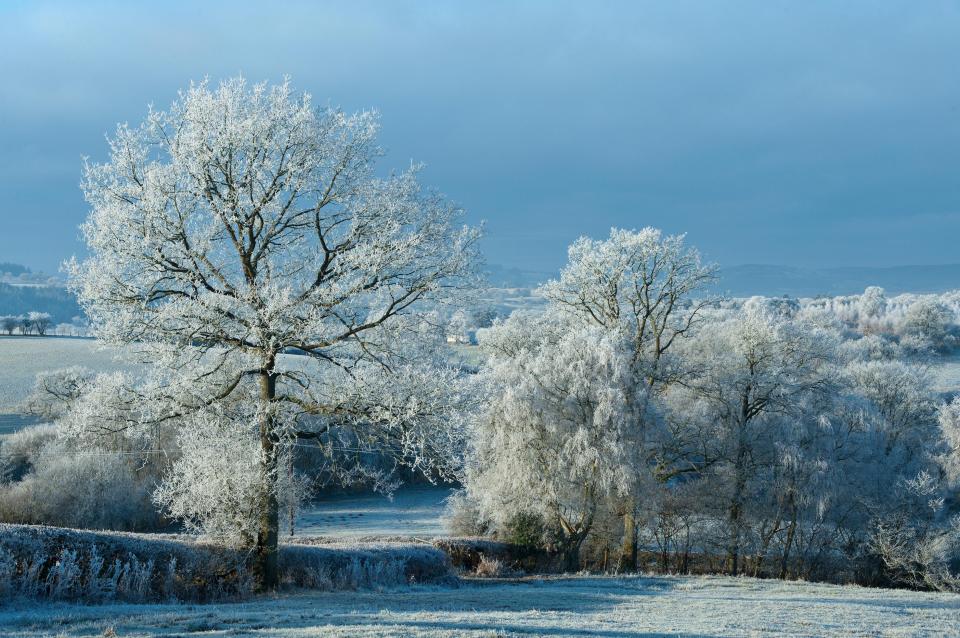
(20, 300)
(13, 269)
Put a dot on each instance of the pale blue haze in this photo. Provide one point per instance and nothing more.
(799, 133)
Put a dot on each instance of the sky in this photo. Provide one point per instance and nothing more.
(816, 133)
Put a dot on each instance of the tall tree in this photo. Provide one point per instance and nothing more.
(244, 223)
(553, 439)
(755, 374)
(647, 289)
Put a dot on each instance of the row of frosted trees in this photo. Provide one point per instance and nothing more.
(635, 416)
(31, 323)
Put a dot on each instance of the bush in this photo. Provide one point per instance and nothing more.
(19, 451)
(317, 564)
(93, 490)
(462, 516)
(525, 529)
(57, 563)
(494, 568)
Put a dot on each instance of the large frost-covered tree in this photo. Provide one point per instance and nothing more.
(244, 223)
(647, 289)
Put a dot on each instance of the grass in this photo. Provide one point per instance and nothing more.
(22, 358)
(612, 607)
(413, 511)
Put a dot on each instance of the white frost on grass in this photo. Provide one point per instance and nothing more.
(413, 511)
(589, 606)
(945, 371)
(22, 358)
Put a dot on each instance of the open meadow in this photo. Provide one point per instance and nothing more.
(562, 606)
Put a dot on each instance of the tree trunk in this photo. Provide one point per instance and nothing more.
(791, 531)
(628, 551)
(571, 556)
(266, 570)
(736, 514)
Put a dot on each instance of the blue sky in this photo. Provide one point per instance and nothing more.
(799, 133)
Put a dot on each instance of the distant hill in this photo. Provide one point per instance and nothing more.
(57, 300)
(500, 276)
(23, 291)
(762, 279)
(13, 269)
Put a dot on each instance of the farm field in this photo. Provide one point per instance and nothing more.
(22, 358)
(946, 374)
(413, 511)
(585, 606)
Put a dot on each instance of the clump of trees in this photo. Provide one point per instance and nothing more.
(765, 436)
(31, 323)
(294, 309)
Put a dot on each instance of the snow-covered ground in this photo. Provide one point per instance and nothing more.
(414, 511)
(946, 374)
(582, 606)
(22, 358)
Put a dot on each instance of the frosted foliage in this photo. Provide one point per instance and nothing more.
(55, 391)
(761, 354)
(555, 436)
(94, 489)
(639, 282)
(214, 484)
(873, 302)
(918, 542)
(901, 394)
(245, 216)
(243, 224)
(948, 418)
(927, 323)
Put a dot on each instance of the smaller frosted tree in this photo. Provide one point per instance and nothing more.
(647, 290)
(554, 440)
(9, 323)
(928, 324)
(40, 322)
(755, 372)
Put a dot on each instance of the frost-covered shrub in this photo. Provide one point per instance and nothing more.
(928, 325)
(462, 516)
(50, 562)
(19, 451)
(917, 542)
(494, 568)
(94, 489)
(317, 564)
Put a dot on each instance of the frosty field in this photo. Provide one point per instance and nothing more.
(583, 606)
(22, 358)
(413, 511)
